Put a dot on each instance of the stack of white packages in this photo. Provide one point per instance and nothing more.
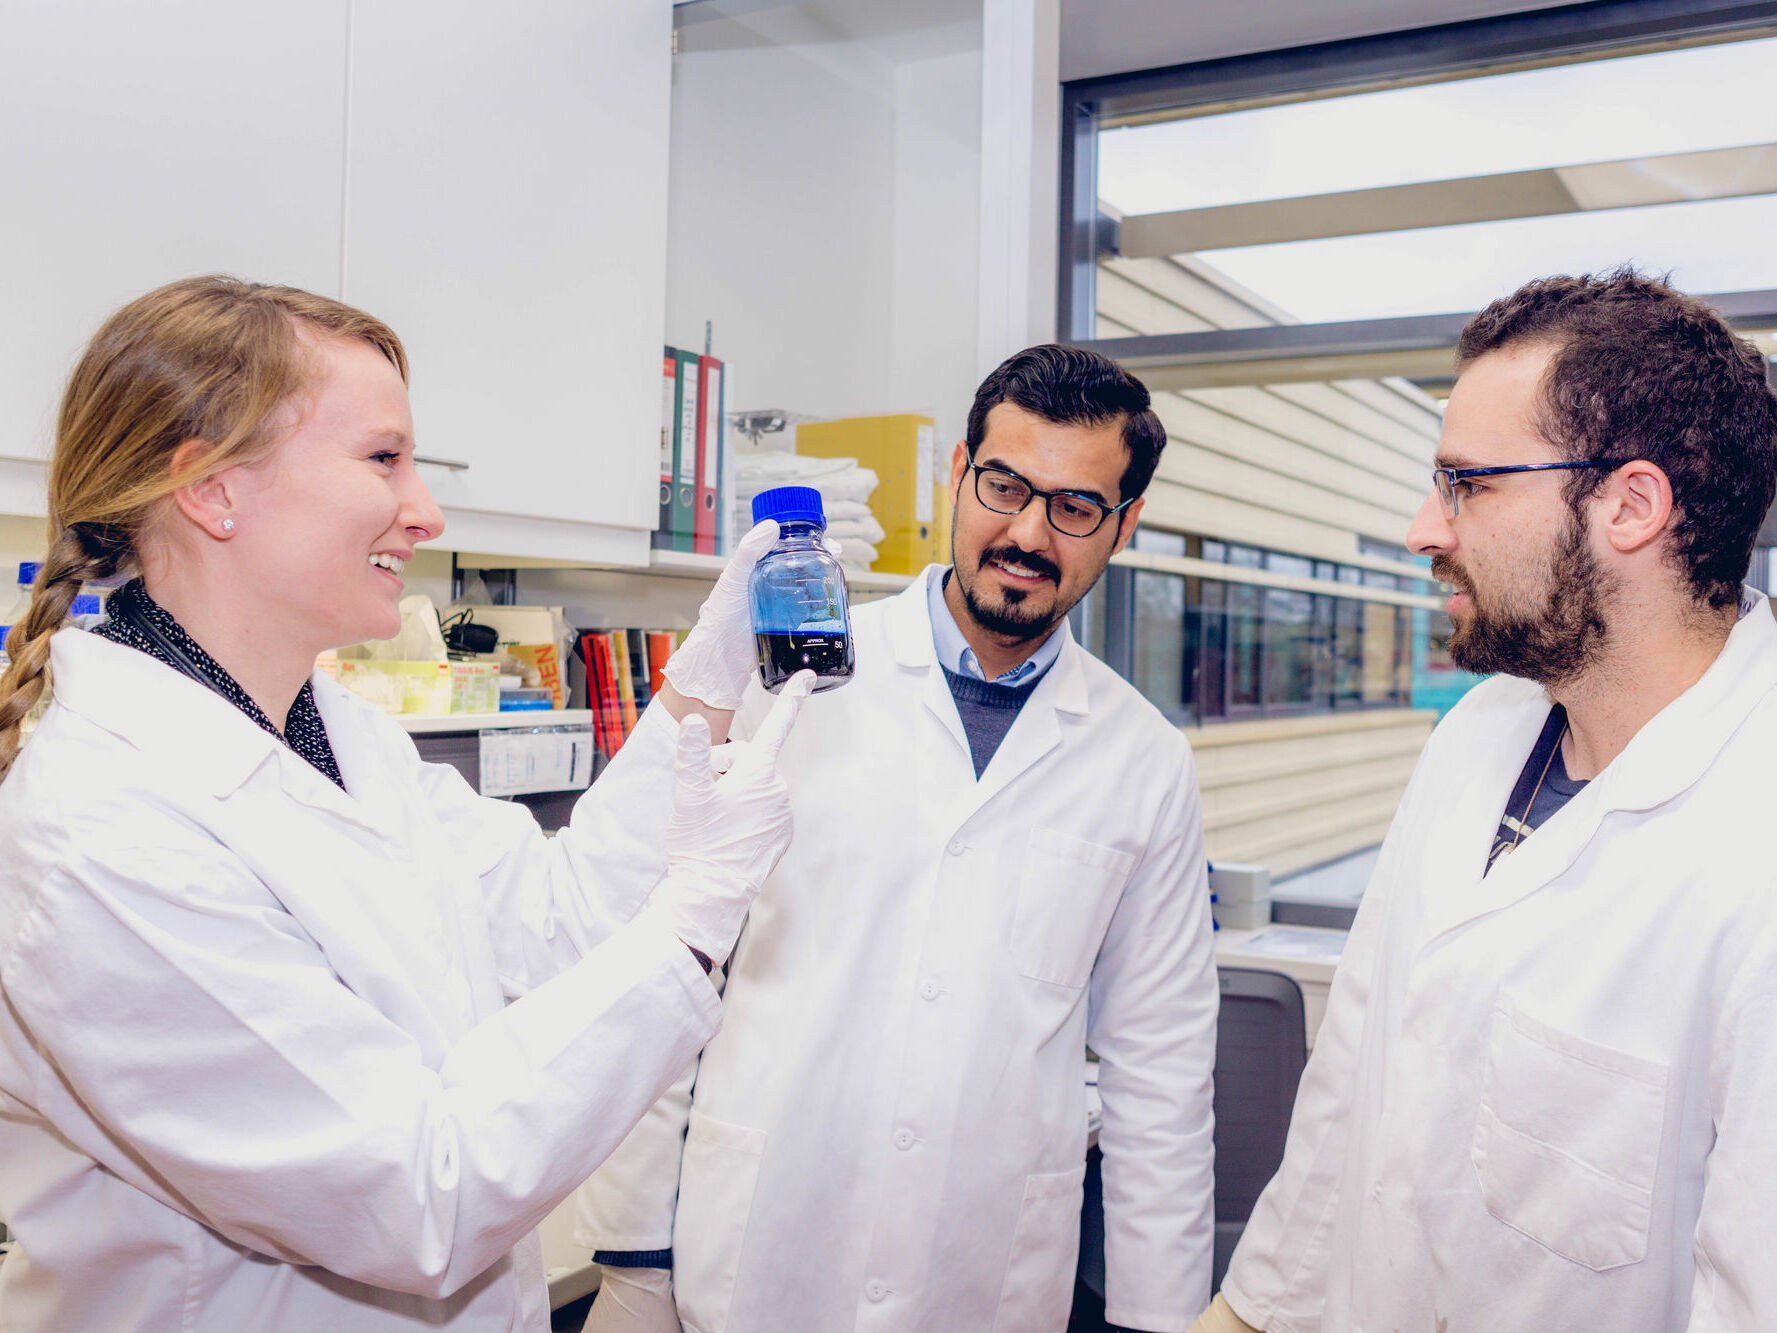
(845, 493)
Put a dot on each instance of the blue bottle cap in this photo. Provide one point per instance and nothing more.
(789, 504)
(86, 604)
(28, 570)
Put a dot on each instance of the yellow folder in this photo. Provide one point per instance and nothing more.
(912, 496)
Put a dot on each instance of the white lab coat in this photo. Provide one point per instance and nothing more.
(257, 1068)
(1543, 1099)
(889, 1133)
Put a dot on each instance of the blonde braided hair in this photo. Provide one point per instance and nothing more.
(208, 359)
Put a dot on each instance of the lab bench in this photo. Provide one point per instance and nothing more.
(1308, 954)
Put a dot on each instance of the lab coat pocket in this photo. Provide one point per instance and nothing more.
(1039, 1284)
(1568, 1139)
(716, 1181)
(1066, 894)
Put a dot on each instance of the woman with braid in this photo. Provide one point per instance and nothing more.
(296, 1031)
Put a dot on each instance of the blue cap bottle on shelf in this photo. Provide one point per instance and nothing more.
(801, 621)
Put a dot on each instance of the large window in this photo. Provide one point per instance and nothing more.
(1205, 649)
(1360, 196)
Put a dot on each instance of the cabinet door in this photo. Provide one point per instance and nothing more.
(141, 143)
(506, 212)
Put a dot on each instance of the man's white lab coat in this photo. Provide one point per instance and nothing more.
(1544, 1099)
(889, 1132)
(257, 1068)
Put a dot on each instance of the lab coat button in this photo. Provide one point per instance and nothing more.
(904, 1139)
(930, 991)
(876, 1291)
(958, 847)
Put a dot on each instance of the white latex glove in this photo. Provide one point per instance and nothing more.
(634, 1300)
(719, 655)
(726, 834)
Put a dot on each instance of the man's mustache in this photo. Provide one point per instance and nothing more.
(1445, 570)
(1012, 555)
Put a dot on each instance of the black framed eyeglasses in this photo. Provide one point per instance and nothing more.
(1070, 514)
(1447, 479)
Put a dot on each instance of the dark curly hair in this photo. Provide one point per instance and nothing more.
(1643, 371)
(1072, 386)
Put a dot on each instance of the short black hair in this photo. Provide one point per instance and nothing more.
(1643, 371)
(1071, 386)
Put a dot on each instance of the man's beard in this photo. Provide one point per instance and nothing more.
(1012, 616)
(1550, 645)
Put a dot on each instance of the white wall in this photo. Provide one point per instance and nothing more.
(937, 175)
(822, 211)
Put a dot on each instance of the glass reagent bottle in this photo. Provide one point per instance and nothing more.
(798, 595)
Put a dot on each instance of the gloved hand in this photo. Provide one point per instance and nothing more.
(1219, 1318)
(719, 656)
(634, 1300)
(727, 833)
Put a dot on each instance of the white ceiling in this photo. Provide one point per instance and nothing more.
(1119, 36)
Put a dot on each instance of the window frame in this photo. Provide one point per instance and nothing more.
(1499, 44)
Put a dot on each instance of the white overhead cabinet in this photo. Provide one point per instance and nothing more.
(495, 189)
(506, 211)
(140, 143)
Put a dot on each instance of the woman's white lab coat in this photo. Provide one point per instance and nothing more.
(257, 1066)
(889, 1132)
(1544, 1099)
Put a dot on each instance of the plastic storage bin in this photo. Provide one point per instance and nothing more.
(400, 687)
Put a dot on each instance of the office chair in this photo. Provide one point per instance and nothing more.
(1261, 1047)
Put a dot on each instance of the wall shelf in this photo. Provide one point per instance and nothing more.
(667, 564)
(416, 724)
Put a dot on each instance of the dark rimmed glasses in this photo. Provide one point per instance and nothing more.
(1446, 479)
(1070, 514)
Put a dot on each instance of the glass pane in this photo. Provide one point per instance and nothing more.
(1570, 169)
(1212, 619)
(1348, 653)
(1403, 655)
(1246, 642)
(1289, 648)
(1161, 655)
(1596, 111)
(1325, 609)
(1381, 654)
(1088, 619)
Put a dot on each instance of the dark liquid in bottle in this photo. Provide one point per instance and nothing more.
(783, 653)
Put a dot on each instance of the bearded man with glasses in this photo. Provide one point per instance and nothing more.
(998, 859)
(1541, 1096)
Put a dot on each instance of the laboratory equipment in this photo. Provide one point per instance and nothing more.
(798, 595)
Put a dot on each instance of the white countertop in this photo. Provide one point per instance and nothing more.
(1310, 954)
(1307, 953)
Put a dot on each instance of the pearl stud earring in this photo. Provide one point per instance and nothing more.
(228, 525)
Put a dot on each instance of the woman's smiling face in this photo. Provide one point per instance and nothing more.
(325, 522)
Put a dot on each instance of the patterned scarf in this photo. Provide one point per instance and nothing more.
(304, 732)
